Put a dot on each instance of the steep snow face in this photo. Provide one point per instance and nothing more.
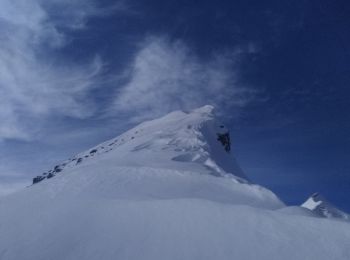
(167, 189)
(178, 141)
(322, 208)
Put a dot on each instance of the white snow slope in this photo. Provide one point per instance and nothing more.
(166, 189)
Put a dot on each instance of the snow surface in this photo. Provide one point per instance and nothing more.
(166, 189)
(311, 204)
(322, 208)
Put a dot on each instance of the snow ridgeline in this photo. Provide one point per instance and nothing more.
(195, 137)
(166, 189)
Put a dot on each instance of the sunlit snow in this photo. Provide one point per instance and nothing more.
(166, 189)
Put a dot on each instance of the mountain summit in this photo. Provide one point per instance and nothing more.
(169, 188)
(177, 140)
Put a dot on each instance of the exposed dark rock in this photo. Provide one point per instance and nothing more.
(50, 175)
(224, 139)
(57, 168)
(38, 179)
(79, 160)
(93, 151)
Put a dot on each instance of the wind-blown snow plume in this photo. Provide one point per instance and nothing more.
(167, 75)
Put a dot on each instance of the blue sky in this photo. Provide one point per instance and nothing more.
(76, 72)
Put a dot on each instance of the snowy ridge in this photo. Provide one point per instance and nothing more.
(170, 189)
(178, 156)
(322, 208)
(182, 137)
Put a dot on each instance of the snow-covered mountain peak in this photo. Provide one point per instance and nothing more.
(321, 207)
(178, 140)
(167, 189)
(180, 155)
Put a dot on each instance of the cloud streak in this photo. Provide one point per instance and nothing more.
(33, 86)
(163, 75)
(166, 75)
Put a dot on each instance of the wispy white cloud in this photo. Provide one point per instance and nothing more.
(33, 86)
(166, 75)
(78, 12)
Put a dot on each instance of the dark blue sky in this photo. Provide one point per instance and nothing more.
(280, 70)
